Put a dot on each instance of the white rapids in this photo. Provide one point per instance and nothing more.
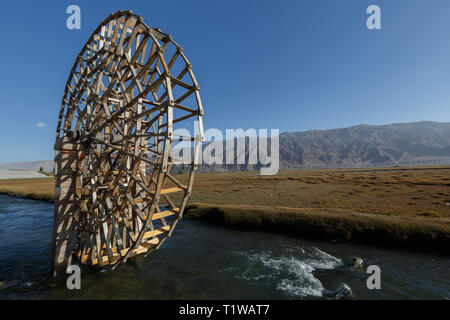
(293, 274)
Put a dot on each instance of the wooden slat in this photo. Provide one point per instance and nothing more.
(105, 261)
(170, 190)
(156, 232)
(163, 191)
(163, 214)
(166, 213)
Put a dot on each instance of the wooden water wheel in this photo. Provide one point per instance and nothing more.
(131, 86)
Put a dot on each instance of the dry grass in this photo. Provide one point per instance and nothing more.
(384, 203)
(412, 232)
(39, 189)
(410, 192)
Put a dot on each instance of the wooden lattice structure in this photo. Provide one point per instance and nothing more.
(115, 197)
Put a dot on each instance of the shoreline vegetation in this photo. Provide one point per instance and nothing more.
(425, 234)
(406, 207)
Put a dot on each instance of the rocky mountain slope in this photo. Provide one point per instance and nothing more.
(418, 143)
(367, 145)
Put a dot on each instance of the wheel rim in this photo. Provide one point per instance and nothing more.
(130, 88)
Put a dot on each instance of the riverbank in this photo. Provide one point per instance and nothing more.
(407, 207)
(34, 188)
(426, 234)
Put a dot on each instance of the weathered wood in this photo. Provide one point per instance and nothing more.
(65, 205)
(114, 145)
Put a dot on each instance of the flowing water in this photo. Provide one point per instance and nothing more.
(203, 261)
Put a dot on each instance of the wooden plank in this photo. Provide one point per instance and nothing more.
(163, 214)
(104, 260)
(171, 190)
(163, 191)
(166, 213)
(156, 232)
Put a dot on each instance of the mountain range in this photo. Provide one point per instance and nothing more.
(423, 142)
(417, 143)
(47, 165)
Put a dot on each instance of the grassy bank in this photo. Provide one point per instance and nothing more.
(400, 206)
(416, 233)
(37, 189)
(412, 192)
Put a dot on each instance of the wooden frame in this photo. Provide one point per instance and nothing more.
(130, 85)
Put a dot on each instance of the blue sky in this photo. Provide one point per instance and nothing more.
(293, 65)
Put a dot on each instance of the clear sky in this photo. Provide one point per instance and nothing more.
(293, 65)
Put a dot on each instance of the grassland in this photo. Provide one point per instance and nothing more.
(402, 206)
(38, 188)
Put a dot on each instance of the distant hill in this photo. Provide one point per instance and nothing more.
(417, 143)
(20, 174)
(29, 165)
